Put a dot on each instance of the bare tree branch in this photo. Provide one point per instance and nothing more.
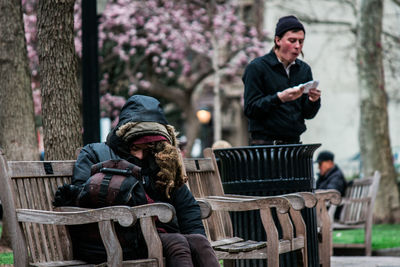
(397, 2)
(312, 20)
(140, 62)
(312, 17)
(172, 94)
(207, 72)
(394, 38)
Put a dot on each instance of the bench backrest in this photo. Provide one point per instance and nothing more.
(359, 200)
(204, 181)
(32, 185)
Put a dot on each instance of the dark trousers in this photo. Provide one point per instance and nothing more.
(191, 250)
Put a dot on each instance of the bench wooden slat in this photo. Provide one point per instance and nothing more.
(284, 247)
(62, 263)
(199, 165)
(226, 241)
(244, 246)
(23, 169)
(137, 263)
(42, 230)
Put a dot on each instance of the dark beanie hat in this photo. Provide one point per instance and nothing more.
(324, 156)
(288, 23)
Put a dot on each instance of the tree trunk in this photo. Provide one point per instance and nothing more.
(17, 125)
(374, 137)
(192, 126)
(216, 90)
(60, 92)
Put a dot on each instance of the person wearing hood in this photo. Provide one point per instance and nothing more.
(144, 137)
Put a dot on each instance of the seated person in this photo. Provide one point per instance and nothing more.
(144, 138)
(330, 176)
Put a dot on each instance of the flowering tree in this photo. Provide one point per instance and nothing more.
(165, 48)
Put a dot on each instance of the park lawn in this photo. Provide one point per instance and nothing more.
(6, 258)
(383, 236)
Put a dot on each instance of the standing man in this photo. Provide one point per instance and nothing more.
(273, 102)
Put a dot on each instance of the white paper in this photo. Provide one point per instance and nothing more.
(309, 85)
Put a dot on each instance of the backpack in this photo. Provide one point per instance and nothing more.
(112, 182)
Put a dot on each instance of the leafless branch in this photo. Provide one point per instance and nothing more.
(393, 37)
(173, 94)
(312, 20)
(140, 62)
(397, 2)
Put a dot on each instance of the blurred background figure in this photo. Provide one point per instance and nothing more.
(182, 145)
(221, 144)
(330, 176)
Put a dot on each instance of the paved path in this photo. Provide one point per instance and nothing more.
(362, 261)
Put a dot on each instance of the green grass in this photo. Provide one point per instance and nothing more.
(383, 236)
(6, 258)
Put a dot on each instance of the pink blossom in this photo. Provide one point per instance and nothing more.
(144, 84)
(176, 36)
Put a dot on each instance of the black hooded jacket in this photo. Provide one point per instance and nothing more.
(138, 108)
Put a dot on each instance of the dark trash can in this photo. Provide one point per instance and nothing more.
(268, 171)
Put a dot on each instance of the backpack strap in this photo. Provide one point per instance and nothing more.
(104, 188)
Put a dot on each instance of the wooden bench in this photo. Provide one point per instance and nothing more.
(357, 210)
(324, 223)
(38, 233)
(205, 184)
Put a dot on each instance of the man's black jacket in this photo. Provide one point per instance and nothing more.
(333, 179)
(263, 78)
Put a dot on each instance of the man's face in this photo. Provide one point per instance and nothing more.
(325, 166)
(139, 151)
(290, 46)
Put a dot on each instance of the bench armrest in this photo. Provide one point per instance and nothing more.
(77, 216)
(310, 199)
(205, 208)
(125, 215)
(355, 200)
(298, 200)
(164, 211)
(331, 196)
(247, 203)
